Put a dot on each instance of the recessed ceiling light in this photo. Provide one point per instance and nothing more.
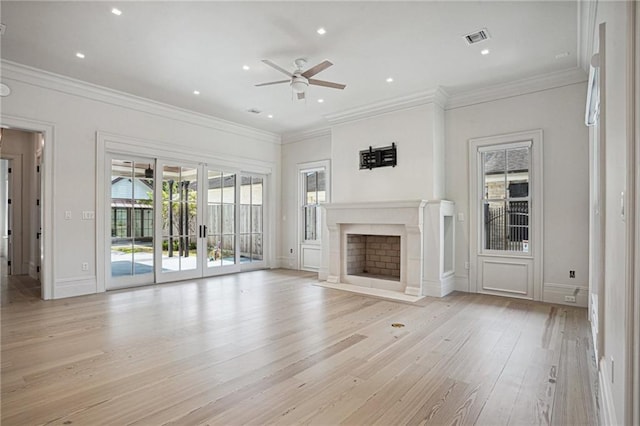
(80, 55)
(320, 101)
(246, 67)
(116, 11)
(321, 31)
(270, 115)
(484, 51)
(196, 92)
(390, 80)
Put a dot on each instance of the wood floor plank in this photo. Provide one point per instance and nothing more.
(269, 347)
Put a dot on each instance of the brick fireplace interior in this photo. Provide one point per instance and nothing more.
(376, 256)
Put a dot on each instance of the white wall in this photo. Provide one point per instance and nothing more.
(24, 145)
(77, 111)
(418, 135)
(295, 153)
(560, 114)
(615, 324)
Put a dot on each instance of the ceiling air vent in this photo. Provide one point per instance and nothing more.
(477, 37)
(254, 111)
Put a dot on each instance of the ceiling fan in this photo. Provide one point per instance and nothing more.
(300, 80)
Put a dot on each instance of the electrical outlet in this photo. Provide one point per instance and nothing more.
(466, 265)
(67, 215)
(572, 274)
(85, 266)
(88, 215)
(570, 299)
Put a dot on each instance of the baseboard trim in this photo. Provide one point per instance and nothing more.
(461, 283)
(555, 293)
(608, 413)
(74, 286)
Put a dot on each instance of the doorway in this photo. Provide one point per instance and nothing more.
(20, 196)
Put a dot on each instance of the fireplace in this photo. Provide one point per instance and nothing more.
(400, 249)
(376, 256)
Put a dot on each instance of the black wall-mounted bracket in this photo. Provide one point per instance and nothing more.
(378, 157)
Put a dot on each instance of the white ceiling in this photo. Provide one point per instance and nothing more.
(166, 50)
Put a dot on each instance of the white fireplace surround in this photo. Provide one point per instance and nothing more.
(426, 231)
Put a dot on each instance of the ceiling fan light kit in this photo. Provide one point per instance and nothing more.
(300, 80)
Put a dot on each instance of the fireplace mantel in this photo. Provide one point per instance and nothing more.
(425, 270)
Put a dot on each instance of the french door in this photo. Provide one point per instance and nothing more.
(201, 230)
(174, 220)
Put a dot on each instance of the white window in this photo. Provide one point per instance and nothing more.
(506, 201)
(314, 184)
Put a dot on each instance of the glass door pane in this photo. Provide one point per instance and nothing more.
(251, 219)
(131, 221)
(179, 227)
(220, 224)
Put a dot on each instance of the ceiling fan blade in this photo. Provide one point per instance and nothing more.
(277, 67)
(315, 70)
(301, 95)
(327, 84)
(273, 82)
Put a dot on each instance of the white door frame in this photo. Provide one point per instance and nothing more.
(47, 201)
(535, 210)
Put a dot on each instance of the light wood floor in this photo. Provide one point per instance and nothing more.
(269, 347)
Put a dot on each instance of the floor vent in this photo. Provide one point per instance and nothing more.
(477, 37)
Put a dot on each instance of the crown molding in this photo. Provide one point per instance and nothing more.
(436, 96)
(51, 81)
(519, 87)
(288, 138)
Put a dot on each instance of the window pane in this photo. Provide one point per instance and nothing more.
(311, 186)
(214, 222)
(310, 223)
(506, 225)
(322, 189)
(518, 172)
(494, 165)
(256, 247)
(214, 250)
(245, 247)
(256, 191)
(256, 219)
(228, 250)
(228, 218)
(229, 189)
